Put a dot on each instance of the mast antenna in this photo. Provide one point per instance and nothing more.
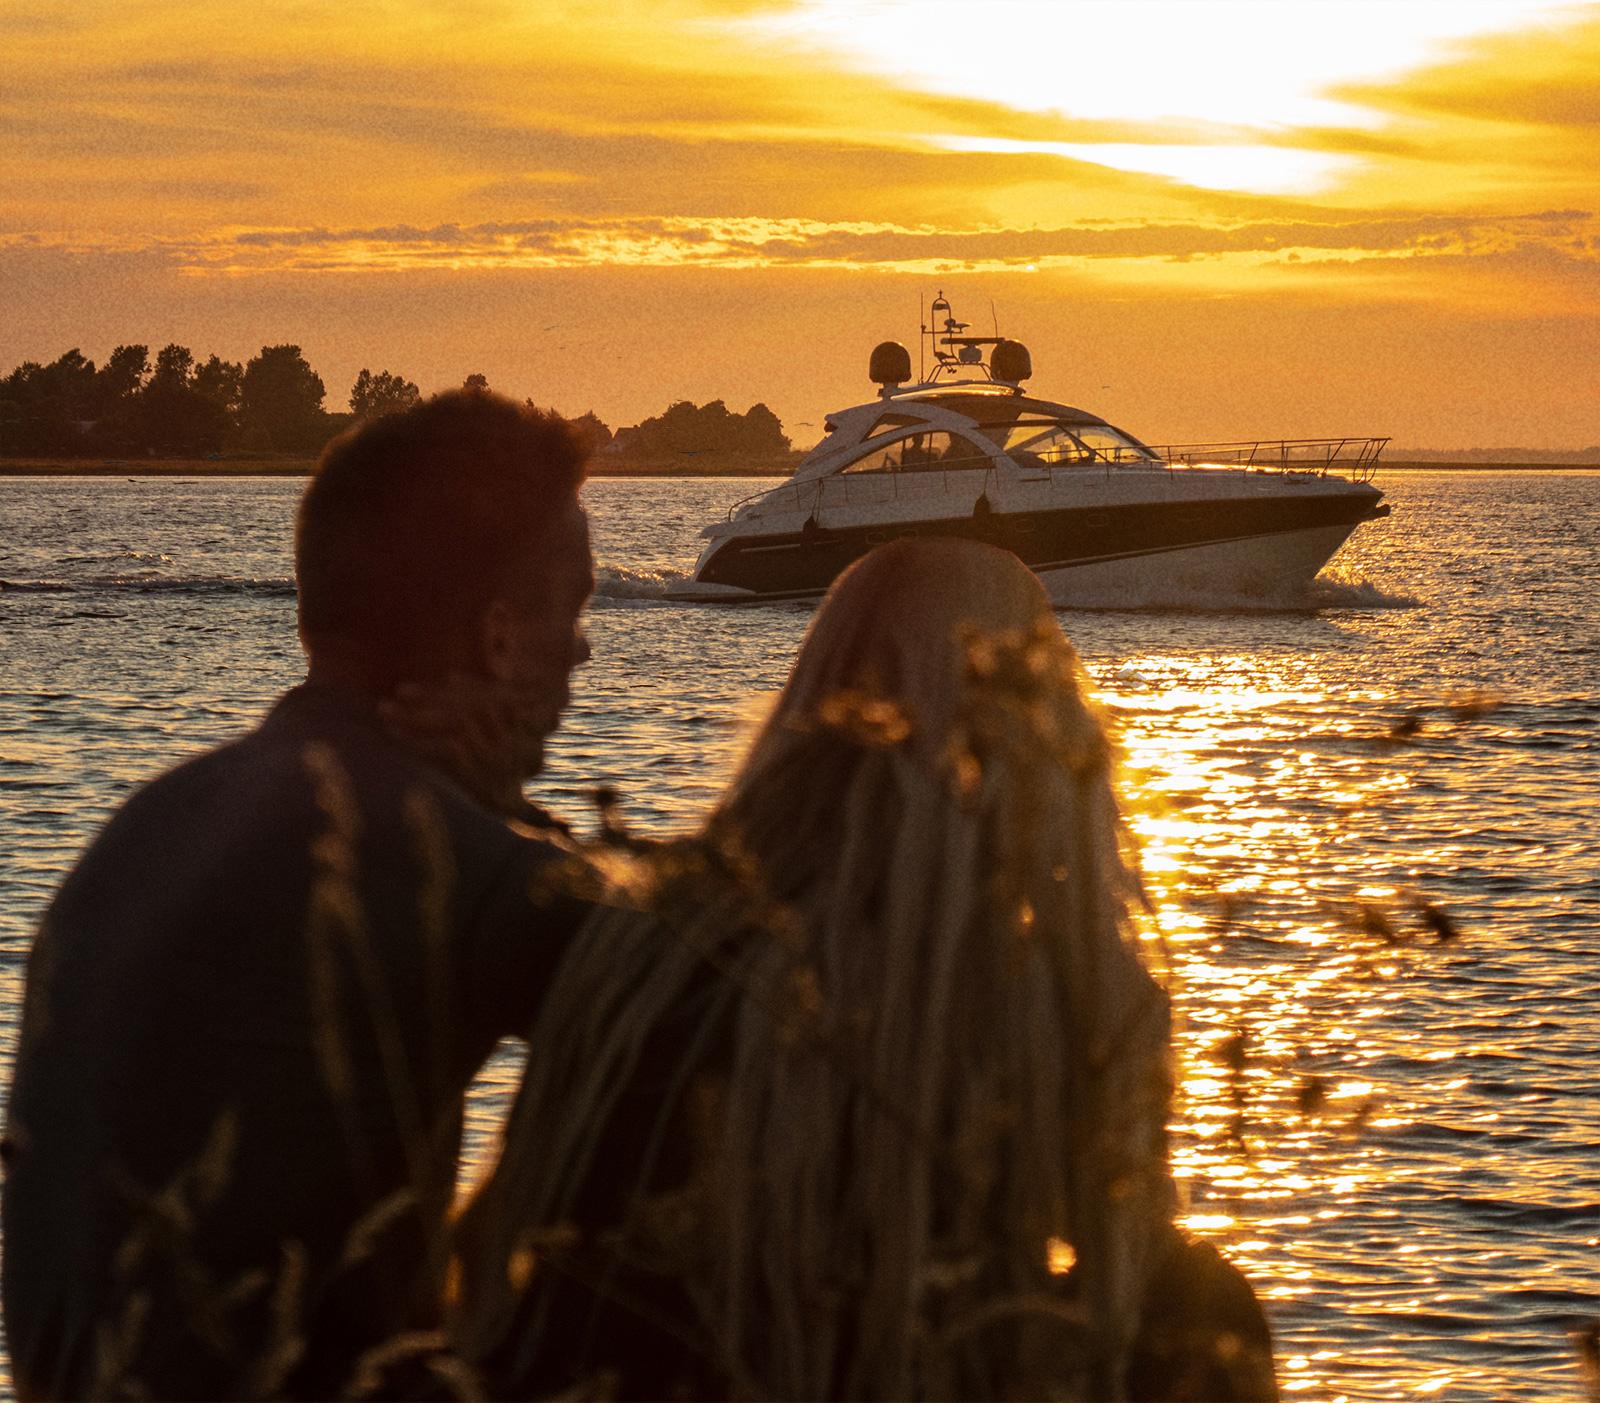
(993, 317)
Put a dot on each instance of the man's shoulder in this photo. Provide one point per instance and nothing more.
(317, 759)
(240, 832)
(308, 737)
(337, 745)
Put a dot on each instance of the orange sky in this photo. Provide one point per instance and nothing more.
(1207, 219)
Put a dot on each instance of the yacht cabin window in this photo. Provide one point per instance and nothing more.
(929, 451)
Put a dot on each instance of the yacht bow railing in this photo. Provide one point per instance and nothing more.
(1357, 457)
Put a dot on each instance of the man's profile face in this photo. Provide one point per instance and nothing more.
(536, 634)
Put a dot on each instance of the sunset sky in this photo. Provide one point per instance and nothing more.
(1207, 220)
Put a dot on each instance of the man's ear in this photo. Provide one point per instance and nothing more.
(498, 640)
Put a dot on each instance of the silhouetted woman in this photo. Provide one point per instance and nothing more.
(872, 1104)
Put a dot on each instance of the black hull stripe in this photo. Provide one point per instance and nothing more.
(781, 597)
(796, 566)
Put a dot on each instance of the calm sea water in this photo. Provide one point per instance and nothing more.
(1407, 1159)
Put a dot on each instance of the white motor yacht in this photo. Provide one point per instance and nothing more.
(1102, 517)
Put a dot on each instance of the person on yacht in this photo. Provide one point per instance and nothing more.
(867, 1097)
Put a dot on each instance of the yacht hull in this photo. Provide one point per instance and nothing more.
(1257, 569)
(1116, 556)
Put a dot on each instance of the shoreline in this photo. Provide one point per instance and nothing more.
(301, 467)
(1413, 465)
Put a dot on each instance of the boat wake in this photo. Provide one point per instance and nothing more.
(144, 557)
(612, 584)
(1321, 595)
(1328, 592)
(618, 584)
(154, 584)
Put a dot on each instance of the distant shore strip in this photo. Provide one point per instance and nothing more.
(599, 466)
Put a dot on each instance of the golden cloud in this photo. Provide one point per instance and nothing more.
(1565, 241)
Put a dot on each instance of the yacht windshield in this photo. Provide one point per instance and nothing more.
(924, 452)
(1054, 443)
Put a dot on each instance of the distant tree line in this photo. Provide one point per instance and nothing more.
(686, 431)
(179, 406)
(1489, 457)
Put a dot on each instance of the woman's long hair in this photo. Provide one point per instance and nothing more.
(935, 1165)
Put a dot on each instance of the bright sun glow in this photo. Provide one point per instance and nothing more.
(1276, 168)
(1268, 67)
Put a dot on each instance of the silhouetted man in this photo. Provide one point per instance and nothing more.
(254, 1006)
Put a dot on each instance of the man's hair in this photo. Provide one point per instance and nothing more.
(412, 522)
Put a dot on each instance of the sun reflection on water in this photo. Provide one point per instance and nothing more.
(1258, 807)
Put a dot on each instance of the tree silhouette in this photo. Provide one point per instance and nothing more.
(764, 430)
(116, 407)
(51, 408)
(685, 430)
(221, 382)
(593, 431)
(478, 384)
(280, 401)
(382, 393)
(122, 377)
(174, 367)
(70, 386)
(175, 417)
(22, 401)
